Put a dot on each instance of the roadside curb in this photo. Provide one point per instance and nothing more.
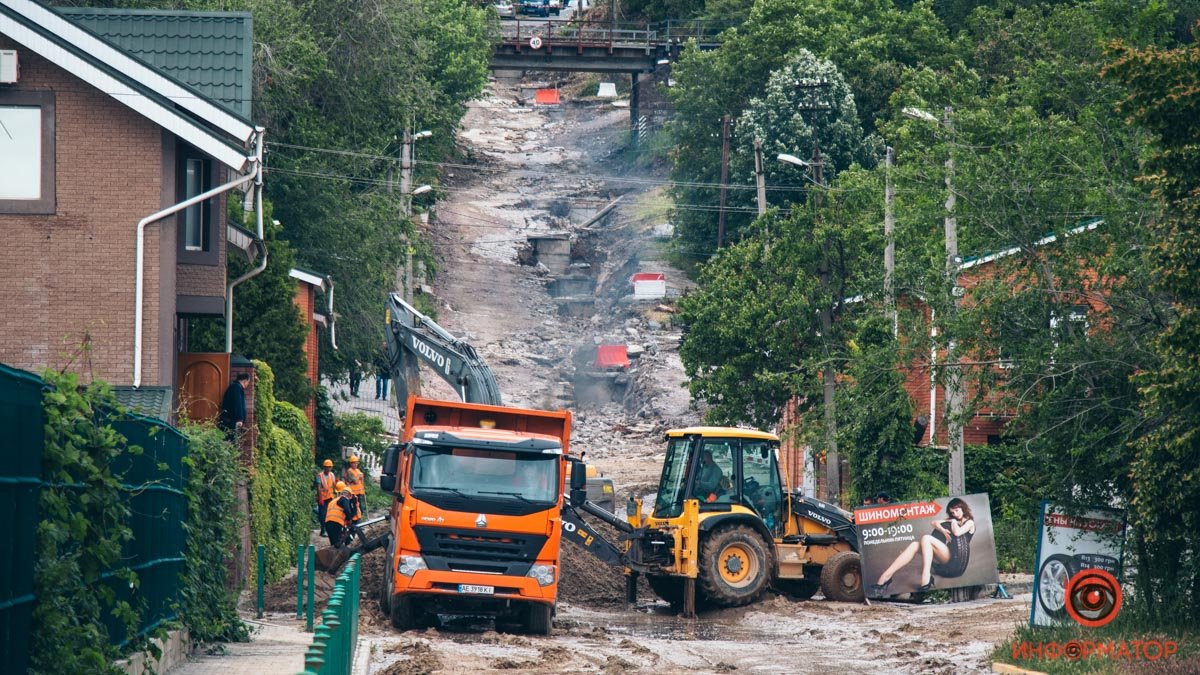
(362, 656)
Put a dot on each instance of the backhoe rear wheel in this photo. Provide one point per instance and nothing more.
(841, 578)
(736, 566)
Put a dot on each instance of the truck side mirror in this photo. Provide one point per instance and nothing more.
(390, 459)
(387, 482)
(578, 476)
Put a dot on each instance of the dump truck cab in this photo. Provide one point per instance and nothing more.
(476, 519)
(723, 525)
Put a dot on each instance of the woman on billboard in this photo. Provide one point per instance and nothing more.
(945, 552)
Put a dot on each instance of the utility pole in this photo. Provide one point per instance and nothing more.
(953, 374)
(406, 197)
(833, 468)
(726, 123)
(758, 177)
(889, 233)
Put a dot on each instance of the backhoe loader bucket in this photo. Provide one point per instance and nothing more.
(330, 559)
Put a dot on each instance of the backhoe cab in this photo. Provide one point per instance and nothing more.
(723, 527)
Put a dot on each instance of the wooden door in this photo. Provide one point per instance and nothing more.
(203, 378)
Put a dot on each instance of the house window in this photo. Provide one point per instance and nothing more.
(27, 152)
(195, 175)
(195, 226)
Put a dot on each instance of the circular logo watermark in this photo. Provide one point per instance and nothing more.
(1093, 598)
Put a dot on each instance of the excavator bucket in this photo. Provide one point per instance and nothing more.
(330, 559)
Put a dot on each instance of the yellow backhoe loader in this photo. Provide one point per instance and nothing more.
(723, 527)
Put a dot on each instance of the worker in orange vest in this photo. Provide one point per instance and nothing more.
(342, 512)
(354, 481)
(326, 481)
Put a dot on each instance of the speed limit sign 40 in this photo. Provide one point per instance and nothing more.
(535, 42)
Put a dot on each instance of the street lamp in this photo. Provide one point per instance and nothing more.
(953, 379)
(422, 134)
(422, 190)
(792, 159)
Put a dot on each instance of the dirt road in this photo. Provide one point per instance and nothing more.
(539, 172)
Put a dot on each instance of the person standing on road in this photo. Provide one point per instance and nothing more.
(355, 377)
(383, 373)
(233, 407)
(354, 481)
(326, 483)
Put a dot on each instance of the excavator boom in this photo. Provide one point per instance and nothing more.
(413, 337)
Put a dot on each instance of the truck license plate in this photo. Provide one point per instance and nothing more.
(472, 588)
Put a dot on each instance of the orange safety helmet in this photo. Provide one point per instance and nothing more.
(339, 486)
(327, 463)
(353, 459)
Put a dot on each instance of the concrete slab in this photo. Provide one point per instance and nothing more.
(277, 647)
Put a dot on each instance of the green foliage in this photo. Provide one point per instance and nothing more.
(363, 433)
(281, 484)
(1164, 96)
(329, 444)
(208, 608)
(266, 322)
(294, 421)
(82, 531)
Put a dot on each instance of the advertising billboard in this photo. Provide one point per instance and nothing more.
(1069, 543)
(926, 545)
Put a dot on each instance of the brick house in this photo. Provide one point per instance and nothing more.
(307, 285)
(125, 133)
(986, 426)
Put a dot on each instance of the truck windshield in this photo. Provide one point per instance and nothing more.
(487, 474)
(669, 503)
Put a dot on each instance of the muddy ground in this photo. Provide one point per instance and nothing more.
(543, 171)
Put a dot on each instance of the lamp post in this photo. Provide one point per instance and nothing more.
(833, 472)
(952, 375)
(407, 155)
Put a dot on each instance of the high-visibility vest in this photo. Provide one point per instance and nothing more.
(325, 484)
(354, 481)
(335, 514)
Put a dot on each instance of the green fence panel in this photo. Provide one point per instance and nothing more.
(332, 649)
(155, 480)
(21, 442)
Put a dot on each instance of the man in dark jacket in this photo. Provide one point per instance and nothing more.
(233, 406)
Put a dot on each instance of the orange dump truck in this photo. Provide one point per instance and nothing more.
(476, 520)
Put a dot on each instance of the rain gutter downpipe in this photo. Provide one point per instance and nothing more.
(139, 280)
(262, 242)
(332, 318)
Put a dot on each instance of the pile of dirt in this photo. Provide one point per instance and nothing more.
(281, 595)
(421, 659)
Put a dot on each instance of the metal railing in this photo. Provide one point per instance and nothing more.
(332, 649)
(575, 33)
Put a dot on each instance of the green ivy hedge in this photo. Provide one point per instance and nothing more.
(207, 607)
(281, 480)
(81, 531)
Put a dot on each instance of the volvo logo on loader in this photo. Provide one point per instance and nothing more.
(481, 521)
(432, 354)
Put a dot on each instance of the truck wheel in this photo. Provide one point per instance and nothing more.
(841, 578)
(735, 566)
(667, 588)
(540, 619)
(402, 613)
(801, 589)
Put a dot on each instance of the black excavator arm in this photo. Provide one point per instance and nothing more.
(413, 337)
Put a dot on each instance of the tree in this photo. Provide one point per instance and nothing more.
(1164, 97)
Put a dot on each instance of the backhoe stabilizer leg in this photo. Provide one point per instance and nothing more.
(689, 598)
(631, 584)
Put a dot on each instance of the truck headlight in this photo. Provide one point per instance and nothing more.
(409, 564)
(544, 574)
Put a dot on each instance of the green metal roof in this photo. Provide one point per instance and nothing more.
(211, 51)
(147, 401)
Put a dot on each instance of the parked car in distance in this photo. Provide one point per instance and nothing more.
(535, 7)
(505, 9)
(555, 6)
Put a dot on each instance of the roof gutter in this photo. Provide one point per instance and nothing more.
(258, 218)
(139, 280)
